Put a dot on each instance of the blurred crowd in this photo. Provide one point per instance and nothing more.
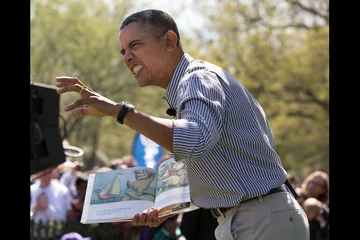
(58, 194)
(313, 195)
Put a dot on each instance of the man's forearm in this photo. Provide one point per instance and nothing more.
(159, 130)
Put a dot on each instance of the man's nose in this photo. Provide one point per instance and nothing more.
(128, 56)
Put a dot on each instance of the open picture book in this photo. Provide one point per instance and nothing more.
(117, 195)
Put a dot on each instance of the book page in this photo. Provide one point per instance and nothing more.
(119, 194)
(172, 190)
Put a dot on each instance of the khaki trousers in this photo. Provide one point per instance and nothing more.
(276, 216)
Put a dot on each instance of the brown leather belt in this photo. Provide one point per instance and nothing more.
(217, 212)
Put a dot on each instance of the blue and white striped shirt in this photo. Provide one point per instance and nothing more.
(223, 134)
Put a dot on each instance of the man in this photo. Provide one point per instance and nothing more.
(50, 200)
(219, 129)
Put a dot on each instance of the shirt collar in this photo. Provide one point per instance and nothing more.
(171, 90)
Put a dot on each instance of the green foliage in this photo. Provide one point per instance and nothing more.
(283, 59)
(80, 38)
(278, 51)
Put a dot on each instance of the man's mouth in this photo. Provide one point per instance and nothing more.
(137, 68)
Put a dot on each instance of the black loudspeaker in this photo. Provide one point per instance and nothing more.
(46, 149)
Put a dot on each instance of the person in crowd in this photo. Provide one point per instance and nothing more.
(126, 161)
(116, 163)
(75, 214)
(297, 188)
(50, 202)
(313, 209)
(78, 202)
(218, 128)
(293, 180)
(57, 172)
(70, 167)
(43, 211)
(68, 176)
(316, 185)
(301, 197)
(48, 195)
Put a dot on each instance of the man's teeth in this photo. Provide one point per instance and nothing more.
(137, 69)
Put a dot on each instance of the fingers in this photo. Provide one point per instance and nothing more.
(82, 88)
(72, 84)
(90, 103)
(67, 80)
(70, 88)
(149, 218)
(135, 220)
(69, 84)
(78, 106)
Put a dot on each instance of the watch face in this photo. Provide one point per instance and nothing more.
(127, 104)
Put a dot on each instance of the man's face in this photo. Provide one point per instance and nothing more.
(144, 54)
(316, 187)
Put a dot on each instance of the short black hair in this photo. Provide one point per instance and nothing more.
(154, 21)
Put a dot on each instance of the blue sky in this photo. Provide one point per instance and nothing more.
(187, 19)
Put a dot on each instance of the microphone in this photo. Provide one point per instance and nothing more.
(171, 112)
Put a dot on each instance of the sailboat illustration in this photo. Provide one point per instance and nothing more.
(111, 190)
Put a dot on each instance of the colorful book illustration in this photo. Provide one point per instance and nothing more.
(116, 196)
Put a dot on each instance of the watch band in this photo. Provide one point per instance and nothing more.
(125, 108)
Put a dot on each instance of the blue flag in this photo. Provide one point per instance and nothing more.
(146, 152)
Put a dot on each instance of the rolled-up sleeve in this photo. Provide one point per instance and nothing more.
(200, 111)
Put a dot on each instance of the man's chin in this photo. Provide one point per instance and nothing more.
(141, 83)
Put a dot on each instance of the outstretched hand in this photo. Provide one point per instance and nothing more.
(90, 103)
(149, 218)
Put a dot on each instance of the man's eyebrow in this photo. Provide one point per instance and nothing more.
(129, 45)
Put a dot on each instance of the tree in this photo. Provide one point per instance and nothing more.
(79, 38)
(279, 51)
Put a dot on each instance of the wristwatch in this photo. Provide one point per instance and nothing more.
(125, 108)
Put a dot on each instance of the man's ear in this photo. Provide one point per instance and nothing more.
(170, 40)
